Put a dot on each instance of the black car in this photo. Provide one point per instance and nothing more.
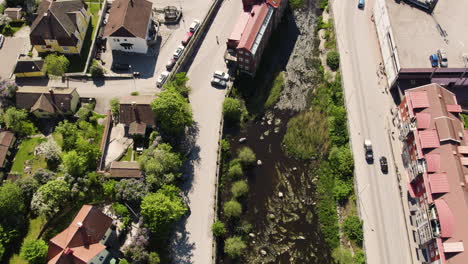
(383, 164)
(120, 67)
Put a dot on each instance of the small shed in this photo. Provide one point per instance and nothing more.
(29, 68)
(125, 169)
(14, 13)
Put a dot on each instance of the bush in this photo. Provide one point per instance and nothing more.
(153, 258)
(134, 93)
(246, 156)
(235, 170)
(342, 256)
(239, 188)
(275, 91)
(232, 110)
(96, 70)
(115, 107)
(342, 190)
(7, 31)
(333, 60)
(34, 251)
(359, 257)
(296, 4)
(56, 65)
(123, 261)
(218, 228)
(232, 209)
(234, 246)
(352, 227)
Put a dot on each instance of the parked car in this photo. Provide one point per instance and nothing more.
(136, 74)
(120, 67)
(195, 25)
(162, 78)
(221, 75)
(442, 55)
(2, 39)
(383, 164)
(170, 64)
(178, 52)
(368, 151)
(218, 82)
(361, 4)
(187, 38)
(434, 60)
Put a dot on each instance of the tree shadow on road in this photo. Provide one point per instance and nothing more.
(180, 245)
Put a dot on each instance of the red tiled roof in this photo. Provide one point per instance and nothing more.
(453, 247)
(432, 162)
(439, 183)
(465, 135)
(429, 139)
(454, 108)
(446, 219)
(423, 120)
(419, 99)
(236, 34)
(274, 3)
(128, 18)
(257, 13)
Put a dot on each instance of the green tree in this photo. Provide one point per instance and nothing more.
(239, 188)
(235, 170)
(296, 4)
(173, 112)
(96, 70)
(153, 258)
(179, 84)
(232, 209)
(51, 151)
(246, 156)
(342, 190)
(50, 198)
(74, 164)
(109, 189)
(17, 121)
(218, 228)
(359, 257)
(352, 227)
(161, 165)
(12, 207)
(232, 110)
(341, 160)
(115, 108)
(234, 246)
(162, 208)
(123, 261)
(28, 187)
(333, 60)
(130, 190)
(34, 251)
(69, 132)
(56, 65)
(342, 256)
(89, 152)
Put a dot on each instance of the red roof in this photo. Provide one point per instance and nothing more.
(274, 3)
(419, 99)
(423, 120)
(429, 139)
(432, 162)
(439, 183)
(454, 108)
(446, 219)
(257, 15)
(236, 34)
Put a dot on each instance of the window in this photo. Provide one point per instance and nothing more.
(241, 59)
(247, 61)
(241, 52)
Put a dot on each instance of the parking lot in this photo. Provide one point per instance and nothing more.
(12, 47)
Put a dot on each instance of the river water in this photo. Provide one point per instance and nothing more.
(281, 202)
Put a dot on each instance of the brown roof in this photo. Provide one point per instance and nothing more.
(125, 169)
(23, 66)
(6, 139)
(13, 12)
(34, 98)
(57, 20)
(137, 109)
(80, 241)
(137, 128)
(128, 18)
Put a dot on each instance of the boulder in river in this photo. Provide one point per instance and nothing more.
(259, 163)
(242, 140)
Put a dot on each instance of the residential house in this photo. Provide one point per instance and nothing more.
(253, 30)
(136, 113)
(130, 25)
(45, 102)
(125, 169)
(14, 13)
(89, 238)
(435, 153)
(60, 26)
(29, 68)
(7, 141)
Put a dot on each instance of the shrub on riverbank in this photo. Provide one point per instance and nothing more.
(246, 156)
(333, 60)
(218, 228)
(239, 188)
(352, 227)
(234, 246)
(275, 92)
(232, 209)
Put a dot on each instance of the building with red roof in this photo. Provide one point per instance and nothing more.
(86, 240)
(253, 30)
(435, 153)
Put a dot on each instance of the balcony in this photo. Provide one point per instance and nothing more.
(406, 128)
(416, 168)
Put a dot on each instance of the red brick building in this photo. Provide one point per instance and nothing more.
(253, 30)
(435, 154)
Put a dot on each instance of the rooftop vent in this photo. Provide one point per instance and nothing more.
(79, 224)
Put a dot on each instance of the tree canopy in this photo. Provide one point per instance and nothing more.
(130, 190)
(234, 246)
(232, 209)
(352, 227)
(17, 121)
(56, 65)
(162, 208)
(173, 112)
(50, 198)
(232, 109)
(12, 206)
(34, 251)
(161, 165)
(74, 164)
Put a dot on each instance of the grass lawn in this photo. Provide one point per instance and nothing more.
(58, 138)
(26, 152)
(127, 156)
(35, 226)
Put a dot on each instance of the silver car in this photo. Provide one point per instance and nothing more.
(218, 82)
(442, 58)
(178, 52)
(221, 75)
(162, 78)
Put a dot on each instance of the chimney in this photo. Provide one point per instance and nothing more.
(51, 91)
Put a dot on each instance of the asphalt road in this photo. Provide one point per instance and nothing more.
(12, 47)
(368, 105)
(193, 241)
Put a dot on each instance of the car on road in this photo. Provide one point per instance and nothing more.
(361, 4)
(2, 39)
(368, 151)
(178, 52)
(195, 25)
(120, 67)
(187, 38)
(162, 78)
(170, 64)
(218, 82)
(221, 75)
(442, 55)
(383, 164)
(434, 60)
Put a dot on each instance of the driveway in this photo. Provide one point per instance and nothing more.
(368, 103)
(193, 240)
(12, 47)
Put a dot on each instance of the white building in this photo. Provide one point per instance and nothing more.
(129, 26)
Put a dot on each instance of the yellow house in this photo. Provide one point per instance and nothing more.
(29, 68)
(60, 26)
